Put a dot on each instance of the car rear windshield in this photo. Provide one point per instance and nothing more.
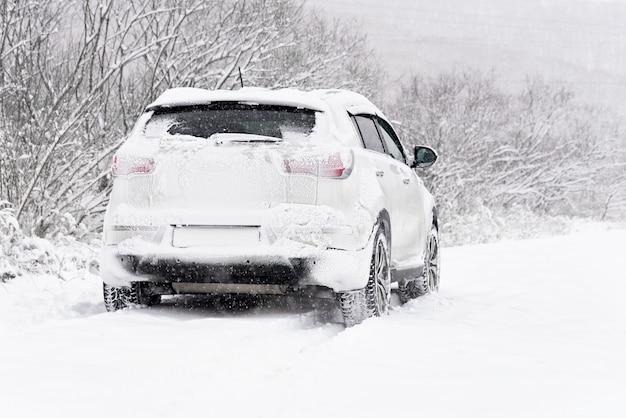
(203, 121)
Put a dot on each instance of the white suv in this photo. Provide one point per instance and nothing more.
(278, 192)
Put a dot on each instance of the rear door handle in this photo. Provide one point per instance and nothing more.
(406, 180)
(380, 173)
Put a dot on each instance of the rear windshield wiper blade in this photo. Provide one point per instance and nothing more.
(223, 138)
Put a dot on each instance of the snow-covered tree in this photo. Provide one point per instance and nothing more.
(538, 149)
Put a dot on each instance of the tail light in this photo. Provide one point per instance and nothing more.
(124, 165)
(337, 165)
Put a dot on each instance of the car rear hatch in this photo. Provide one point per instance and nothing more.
(226, 172)
(228, 156)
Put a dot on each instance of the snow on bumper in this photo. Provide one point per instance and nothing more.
(291, 247)
(339, 270)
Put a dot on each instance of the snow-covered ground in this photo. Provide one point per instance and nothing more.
(533, 328)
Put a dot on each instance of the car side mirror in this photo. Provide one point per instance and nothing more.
(423, 157)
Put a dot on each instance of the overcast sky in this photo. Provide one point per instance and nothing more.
(578, 42)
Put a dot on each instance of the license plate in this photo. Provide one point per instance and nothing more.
(216, 236)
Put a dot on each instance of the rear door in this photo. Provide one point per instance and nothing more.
(410, 199)
(389, 177)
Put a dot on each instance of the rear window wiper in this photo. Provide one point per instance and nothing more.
(224, 138)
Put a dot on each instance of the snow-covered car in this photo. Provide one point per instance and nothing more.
(278, 192)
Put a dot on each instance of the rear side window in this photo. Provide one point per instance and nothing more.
(391, 142)
(203, 121)
(369, 133)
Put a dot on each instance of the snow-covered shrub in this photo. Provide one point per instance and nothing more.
(35, 255)
(74, 257)
(483, 225)
(537, 152)
(10, 233)
(20, 253)
(62, 255)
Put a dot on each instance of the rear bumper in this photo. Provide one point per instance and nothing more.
(319, 226)
(291, 267)
(287, 245)
(194, 269)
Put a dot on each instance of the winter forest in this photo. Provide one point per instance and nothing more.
(74, 76)
(530, 186)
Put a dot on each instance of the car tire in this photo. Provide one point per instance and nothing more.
(116, 298)
(374, 299)
(428, 282)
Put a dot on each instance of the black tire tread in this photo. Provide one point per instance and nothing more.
(417, 287)
(414, 288)
(356, 306)
(116, 298)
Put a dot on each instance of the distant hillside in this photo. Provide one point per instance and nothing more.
(575, 42)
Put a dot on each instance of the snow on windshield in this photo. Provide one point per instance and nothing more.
(204, 121)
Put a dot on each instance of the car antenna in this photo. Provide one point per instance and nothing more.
(240, 77)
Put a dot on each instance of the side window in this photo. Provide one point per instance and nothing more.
(369, 133)
(391, 140)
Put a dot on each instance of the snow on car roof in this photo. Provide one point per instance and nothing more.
(320, 100)
(348, 100)
(183, 96)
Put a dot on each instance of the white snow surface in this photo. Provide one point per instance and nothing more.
(532, 328)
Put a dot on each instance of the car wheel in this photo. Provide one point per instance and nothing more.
(116, 298)
(374, 299)
(429, 280)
